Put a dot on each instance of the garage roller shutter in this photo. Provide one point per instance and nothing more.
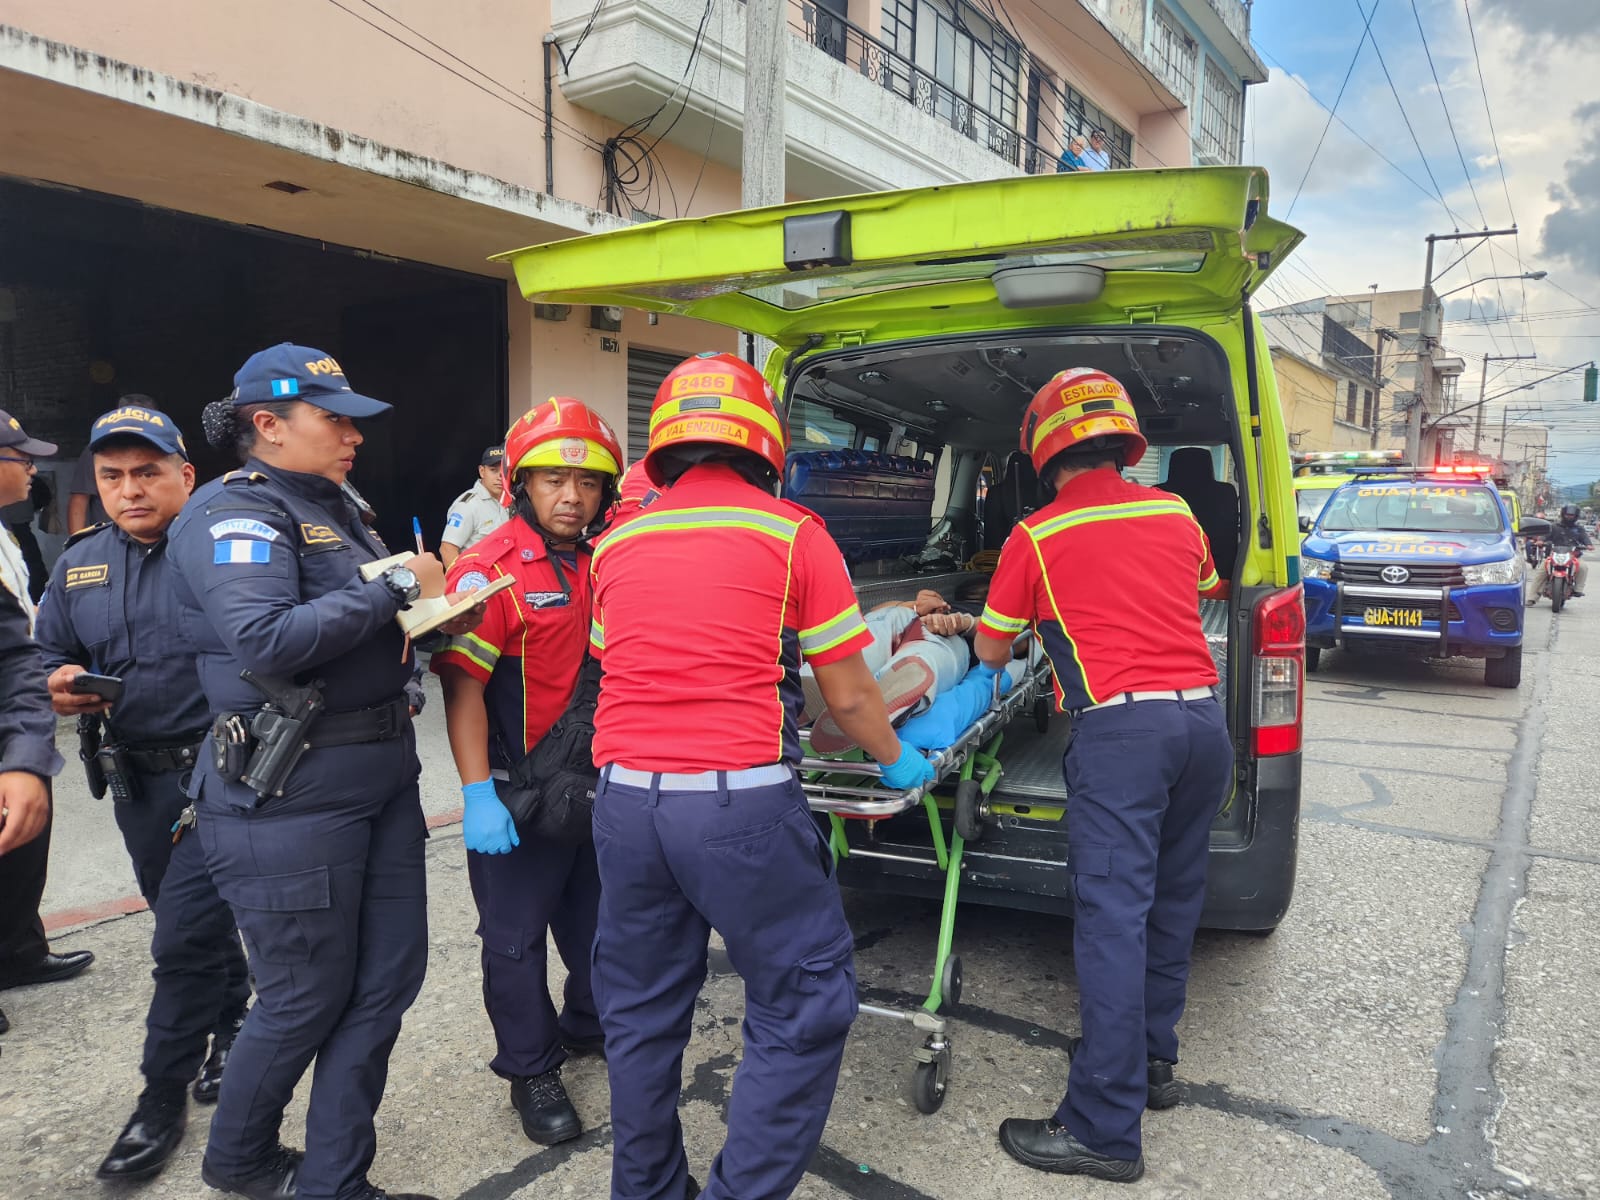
(646, 370)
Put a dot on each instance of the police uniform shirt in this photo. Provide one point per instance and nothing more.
(529, 646)
(267, 571)
(1109, 573)
(111, 608)
(474, 516)
(705, 604)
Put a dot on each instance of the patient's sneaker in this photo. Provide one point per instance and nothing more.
(903, 684)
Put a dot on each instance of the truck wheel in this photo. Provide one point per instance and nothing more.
(1313, 657)
(1504, 672)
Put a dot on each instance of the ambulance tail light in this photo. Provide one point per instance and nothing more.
(1278, 697)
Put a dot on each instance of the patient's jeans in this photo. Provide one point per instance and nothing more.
(946, 656)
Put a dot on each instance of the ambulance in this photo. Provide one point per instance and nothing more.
(911, 329)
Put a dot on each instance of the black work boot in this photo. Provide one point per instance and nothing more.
(377, 1193)
(208, 1084)
(277, 1180)
(1047, 1146)
(547, 1114)
(151, 1135)
(1163, 1088)
(584, 1047)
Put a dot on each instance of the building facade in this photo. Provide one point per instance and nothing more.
(182, 183)
(1328, 380)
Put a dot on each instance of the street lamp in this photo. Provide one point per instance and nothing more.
(1489, 279)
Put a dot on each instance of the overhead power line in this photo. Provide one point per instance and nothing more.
(1366, 31)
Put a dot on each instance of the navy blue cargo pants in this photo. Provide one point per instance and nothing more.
(202, 984)
(328, 886)
(750, 864)
(539, 886)
(1144, 782)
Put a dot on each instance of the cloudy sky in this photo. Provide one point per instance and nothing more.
(1366, 217)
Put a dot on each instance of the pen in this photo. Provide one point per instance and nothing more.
(416, 528)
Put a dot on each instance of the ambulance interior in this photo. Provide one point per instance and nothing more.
(910, 454)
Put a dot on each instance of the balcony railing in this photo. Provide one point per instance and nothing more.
(853, 46)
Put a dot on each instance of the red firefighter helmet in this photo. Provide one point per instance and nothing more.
(1079, 407)
(561, 432)
(716, 399)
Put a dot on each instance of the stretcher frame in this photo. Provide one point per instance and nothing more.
(844, 790)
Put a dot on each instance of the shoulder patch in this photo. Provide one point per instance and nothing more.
(84, 533)
(244, 527)
(319, 535)
(243, 551)
(455, 520)
(93, 575)
(472, 581)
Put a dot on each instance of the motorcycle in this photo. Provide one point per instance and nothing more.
(1561, 575)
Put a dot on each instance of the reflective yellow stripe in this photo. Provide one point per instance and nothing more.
(1109, 512)
(832, 632)
(727, 406)
(597, 634)
(1004, 624)
(1050, 592)
(1209, 582)
(463, 646)
(701, 518)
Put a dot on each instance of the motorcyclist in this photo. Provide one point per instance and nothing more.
(1566, 532)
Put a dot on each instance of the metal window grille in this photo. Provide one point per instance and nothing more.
(1173, 53)
(1350, 403)
(1221, 116)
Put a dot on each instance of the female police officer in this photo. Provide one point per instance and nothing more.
(319, 853)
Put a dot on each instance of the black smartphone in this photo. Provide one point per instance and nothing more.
(107, 687)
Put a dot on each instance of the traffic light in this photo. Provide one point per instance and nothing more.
(1591, 383)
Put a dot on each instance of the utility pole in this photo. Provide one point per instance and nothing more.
(1483, 387)
(1428, 334)
(765, 72)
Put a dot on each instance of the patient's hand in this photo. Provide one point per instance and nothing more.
(949, 624)
(929, 602)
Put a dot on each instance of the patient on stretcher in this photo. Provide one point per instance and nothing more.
(919, 653)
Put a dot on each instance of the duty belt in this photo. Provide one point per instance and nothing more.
(380, 723)
(153, 760)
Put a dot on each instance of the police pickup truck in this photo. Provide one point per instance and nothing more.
(1423, 563)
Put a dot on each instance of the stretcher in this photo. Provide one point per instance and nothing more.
(850, 794)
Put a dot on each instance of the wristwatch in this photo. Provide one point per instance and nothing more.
(402, 584)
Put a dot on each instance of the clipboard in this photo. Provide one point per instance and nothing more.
(426, 614)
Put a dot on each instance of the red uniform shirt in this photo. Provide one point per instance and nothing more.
(1108, 574)
(635, 492)
(704, 605)
(530, 644)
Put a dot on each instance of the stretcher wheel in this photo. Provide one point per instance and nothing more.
(929, 1083)
(969, 810)
(1041, 714)
(950, 981)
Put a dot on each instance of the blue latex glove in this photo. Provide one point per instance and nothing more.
(907, 771)
(987, 673)
(486, 826)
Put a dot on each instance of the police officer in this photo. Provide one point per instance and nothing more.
(705, 604)
(28, 759)
(478, 511)
(505, 683)
(307, 798)
(1148, 764)
(110, 609)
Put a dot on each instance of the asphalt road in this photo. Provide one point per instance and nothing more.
(1423, 1024)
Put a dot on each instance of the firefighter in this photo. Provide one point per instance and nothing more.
(1148, 764)
(705, 604)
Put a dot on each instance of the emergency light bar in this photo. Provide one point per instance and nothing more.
(1325, 462)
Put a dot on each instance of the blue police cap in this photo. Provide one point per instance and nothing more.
(290, 372)
(14, 436)
(135, 416)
